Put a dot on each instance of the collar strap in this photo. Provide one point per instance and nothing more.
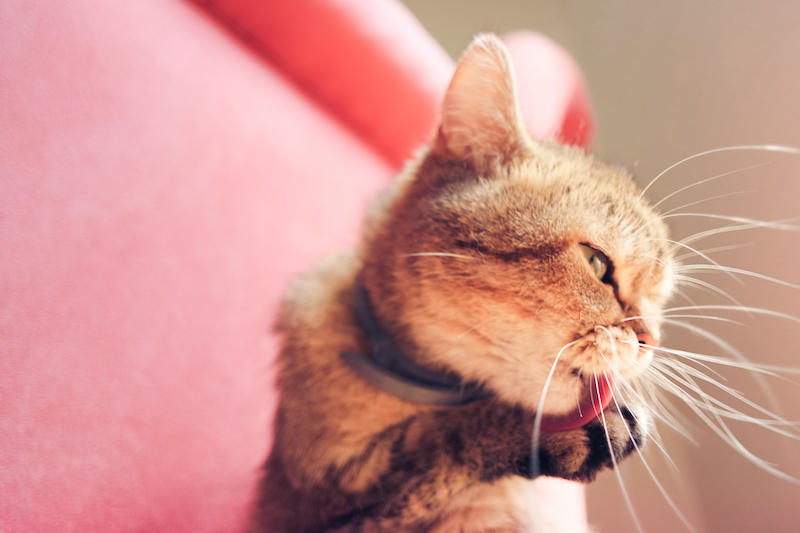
(389, 369)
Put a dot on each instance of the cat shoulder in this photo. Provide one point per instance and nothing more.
(320, 293)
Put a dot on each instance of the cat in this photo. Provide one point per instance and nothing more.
(505, 289)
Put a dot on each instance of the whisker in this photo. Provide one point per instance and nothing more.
(703, 317)
(727, 411)
(713, 250)
(778, 224)
(700, 235)
(755, 369)
(728, 348)
(764, 147)
(624, 491)
(748, 309)
(639, 317)
(717, 425)
(769, 370)
(653, 437)
(658, 484)
(537, 421)
(621, 386)
(707, 335)
(731, 270)
(695, 184)
(680, 268)
(720, 411)
(720, 428)
(694, 282)
(613, 346)
(717, 197)
(665, 412)
(683, 295)
(671, 352)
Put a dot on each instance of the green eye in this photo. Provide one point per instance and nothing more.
(597, 261)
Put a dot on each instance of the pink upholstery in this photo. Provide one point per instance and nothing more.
(159, 183)
(371, 63)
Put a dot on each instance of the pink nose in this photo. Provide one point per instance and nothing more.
(646, 343)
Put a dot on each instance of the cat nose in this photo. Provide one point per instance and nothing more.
(646, 343)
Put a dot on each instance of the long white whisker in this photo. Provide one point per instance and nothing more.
(680, 268)
(695, 184)
(717, 197)
(720, 428)
(751, 222)
(730, 270)
(700, 235)
(764, 147)
(671, 352)
(728, 348)
(702, 317)
(655, 440)
(537, 421)
(709, 336)
(717, 425)
(747, 309)
(664, 411)
(723, 409)
(715, 249)
(683, 295)
(660, 487)
(769, 370)
(621, 386)
(624, 491)
(702, 284)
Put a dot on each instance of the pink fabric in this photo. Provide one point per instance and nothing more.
(160, 185)
(554, 99)
(374, 66)
(159, 188)
(371, 63)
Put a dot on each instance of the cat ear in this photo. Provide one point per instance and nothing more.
(481, 122)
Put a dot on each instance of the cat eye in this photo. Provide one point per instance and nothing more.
(597, 261)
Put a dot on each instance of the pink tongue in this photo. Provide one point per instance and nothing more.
(591, 406)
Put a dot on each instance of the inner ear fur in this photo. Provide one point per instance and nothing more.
(481, 123)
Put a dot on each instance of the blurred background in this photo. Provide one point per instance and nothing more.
(670, 79)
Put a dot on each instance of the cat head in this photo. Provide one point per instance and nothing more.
(497, 253)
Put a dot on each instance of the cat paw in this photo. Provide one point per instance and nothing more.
(580, 454)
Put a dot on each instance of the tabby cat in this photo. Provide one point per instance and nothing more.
(504, 289)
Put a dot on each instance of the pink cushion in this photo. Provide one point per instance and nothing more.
(554, 99)
(158, 191)
(370, 63)
(160, 184)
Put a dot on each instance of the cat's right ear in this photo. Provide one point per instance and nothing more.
(481, 123)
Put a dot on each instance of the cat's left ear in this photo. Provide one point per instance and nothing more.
(481, 122)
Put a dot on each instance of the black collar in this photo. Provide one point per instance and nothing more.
(388, 368)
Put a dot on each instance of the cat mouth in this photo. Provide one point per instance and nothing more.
(597, 395)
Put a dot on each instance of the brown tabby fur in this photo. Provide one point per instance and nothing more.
(510, 211)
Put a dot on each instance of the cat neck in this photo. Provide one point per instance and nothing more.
(391, 370)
